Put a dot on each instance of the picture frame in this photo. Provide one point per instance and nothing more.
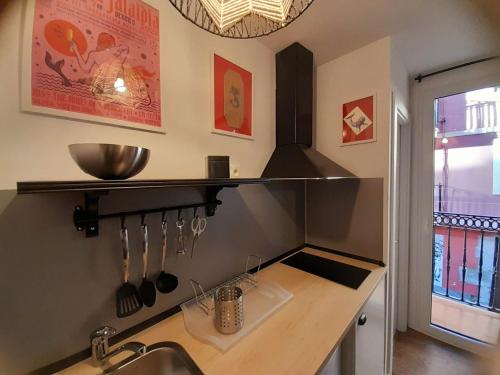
(359, 121)
(231, 85)
(50, 83)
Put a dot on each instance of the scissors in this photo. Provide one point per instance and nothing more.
(198, 225)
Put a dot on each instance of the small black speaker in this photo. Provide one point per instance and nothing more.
(218, 166)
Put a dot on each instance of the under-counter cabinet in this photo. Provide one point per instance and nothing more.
(362, 349)
(370, 334)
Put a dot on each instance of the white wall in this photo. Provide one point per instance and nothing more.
(356, 75)
(375, 68)
(400, 82)
(33, 147)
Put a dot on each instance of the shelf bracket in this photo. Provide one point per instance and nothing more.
(87, 217)
(212, 192)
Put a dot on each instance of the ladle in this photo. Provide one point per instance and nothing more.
(166, 282)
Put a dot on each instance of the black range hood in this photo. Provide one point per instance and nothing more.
(294, 157)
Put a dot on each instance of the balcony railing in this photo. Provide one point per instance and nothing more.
(481, 116)
(465, 258)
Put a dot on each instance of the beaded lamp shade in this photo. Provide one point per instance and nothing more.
(241, 19)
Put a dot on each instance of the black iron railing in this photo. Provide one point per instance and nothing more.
(475, 222)
(465, 258)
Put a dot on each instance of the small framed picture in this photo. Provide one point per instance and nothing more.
(232, 98)
(359, 121)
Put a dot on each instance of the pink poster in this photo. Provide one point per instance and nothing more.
(98, 58)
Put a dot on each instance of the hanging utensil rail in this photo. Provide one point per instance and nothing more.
(83, 218)
(156, 210)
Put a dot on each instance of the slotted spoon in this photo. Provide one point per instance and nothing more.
(128, 300)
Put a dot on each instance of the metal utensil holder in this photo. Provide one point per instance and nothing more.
(229, 315)
(245, 281)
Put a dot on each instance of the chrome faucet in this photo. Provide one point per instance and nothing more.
(99, 342)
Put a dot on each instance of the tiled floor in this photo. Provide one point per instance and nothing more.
(470, 321)
(417, 354)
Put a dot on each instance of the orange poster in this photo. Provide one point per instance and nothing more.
(232, 99)
(96, 60)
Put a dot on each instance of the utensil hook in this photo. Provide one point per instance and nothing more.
(122, 221)
(164, 240)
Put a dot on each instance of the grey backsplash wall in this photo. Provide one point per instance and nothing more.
(57, 285)
(347, 215)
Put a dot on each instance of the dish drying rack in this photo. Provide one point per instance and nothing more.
(246, 281)
(262, 298)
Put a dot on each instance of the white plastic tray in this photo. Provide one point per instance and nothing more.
(259, 303)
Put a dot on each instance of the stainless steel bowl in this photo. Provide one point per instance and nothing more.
(108, 161)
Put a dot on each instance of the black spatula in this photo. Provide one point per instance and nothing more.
(128, 300)
(147, 288)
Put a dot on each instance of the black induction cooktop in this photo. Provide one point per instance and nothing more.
(341, 273)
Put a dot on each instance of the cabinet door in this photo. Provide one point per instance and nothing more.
(333, 364)
(370, 334)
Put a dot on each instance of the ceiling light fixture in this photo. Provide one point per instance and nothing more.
(241, 19)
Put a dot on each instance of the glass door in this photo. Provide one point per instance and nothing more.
(466, 225)
(454, 291)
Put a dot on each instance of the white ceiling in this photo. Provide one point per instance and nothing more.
(427, 34)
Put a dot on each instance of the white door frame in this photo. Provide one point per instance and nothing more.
(423, 94)
(399, 121)
(402, 253)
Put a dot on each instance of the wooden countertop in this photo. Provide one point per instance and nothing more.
(294, 340)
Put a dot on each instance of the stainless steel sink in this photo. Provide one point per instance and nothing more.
(163, 358)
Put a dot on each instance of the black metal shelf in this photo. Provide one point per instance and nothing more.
(86, 217)
(35, 187)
